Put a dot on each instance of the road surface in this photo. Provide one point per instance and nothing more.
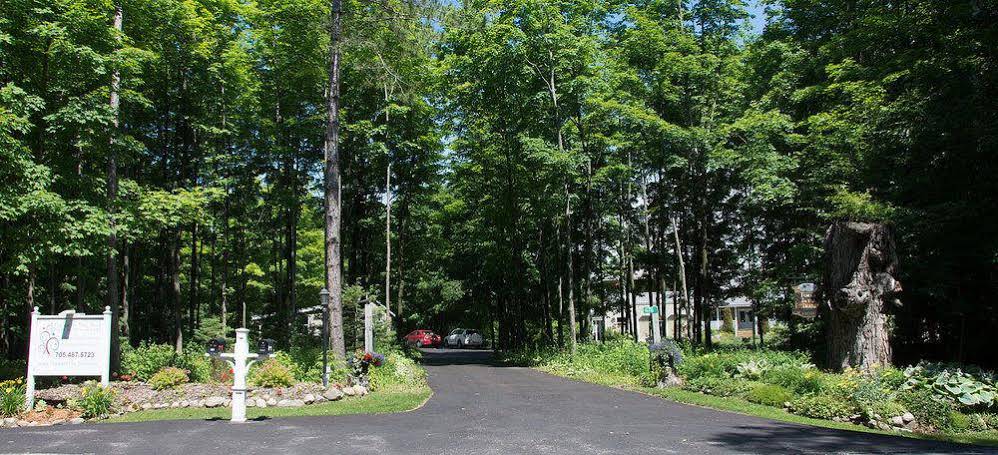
(480, 408)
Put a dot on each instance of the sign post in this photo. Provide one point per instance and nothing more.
(324, 296)
(655, 330)
(68, 344)
(369, 327)
(806, 306)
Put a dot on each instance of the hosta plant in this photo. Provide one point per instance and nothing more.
(952, 384)
(752, 369)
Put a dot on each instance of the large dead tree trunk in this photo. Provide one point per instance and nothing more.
(859, 289)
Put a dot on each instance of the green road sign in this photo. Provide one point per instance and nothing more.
(650, 310)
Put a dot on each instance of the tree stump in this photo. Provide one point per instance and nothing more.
(859, 290)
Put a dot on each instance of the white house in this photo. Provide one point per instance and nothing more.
(743, 318)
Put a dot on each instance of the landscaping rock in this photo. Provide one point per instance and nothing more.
(9, 422)
(185, 404)
(908, 417)
(260, 402)
(360, 390)
(332, 394)
(175, 404)
(76, 421)
(250, 403)
(290, 403)
(23, 423)
(349, 391)
(897, 421)
(214, 402)
(272, 401)
(309, 398)
(146, 406)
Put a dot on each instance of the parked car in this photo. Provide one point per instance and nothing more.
(422, 338)
(461, 338)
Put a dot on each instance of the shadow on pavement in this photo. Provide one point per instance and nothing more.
(793, 439)
(441, 357)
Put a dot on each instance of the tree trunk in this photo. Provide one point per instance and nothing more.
(192, 309)
(112, 196)
(334, 272)
(126, 329)
(859, 288)
(178, 310)
(682, 275)
(388, 239)
(569, 272)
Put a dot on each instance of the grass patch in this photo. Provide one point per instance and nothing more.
(378, 402)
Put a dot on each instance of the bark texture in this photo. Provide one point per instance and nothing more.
(860, 289)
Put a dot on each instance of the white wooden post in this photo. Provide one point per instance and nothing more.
(369, 327)
(105, 368)
(239, 366)
(29, 379)
(655, 330)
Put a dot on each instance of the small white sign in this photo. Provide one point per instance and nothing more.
(69, 344)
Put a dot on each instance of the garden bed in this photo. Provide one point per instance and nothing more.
(138, 396)
(157, 378)
(930, 400)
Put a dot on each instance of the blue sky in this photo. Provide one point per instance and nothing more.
(755, 8)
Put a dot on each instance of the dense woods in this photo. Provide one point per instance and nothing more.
(171, 159)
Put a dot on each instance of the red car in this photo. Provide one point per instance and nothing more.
(422, 338)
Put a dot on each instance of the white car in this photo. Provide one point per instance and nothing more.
(460, 338)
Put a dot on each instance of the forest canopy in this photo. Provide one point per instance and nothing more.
(166, 157)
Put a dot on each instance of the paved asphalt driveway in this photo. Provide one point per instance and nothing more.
(478, 408)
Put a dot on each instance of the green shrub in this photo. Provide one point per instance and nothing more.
(397, 371)
(272, 373)
(769, 394)
(728, 324)
(619, 360)
(95, 400)
(12, 394)
(957, 422)
(196, 363)
(703, 366)
(821, 407)
(801, 380)
(882, 409)
(147, 359)
(927, 409)
(722, 387)
(168, 378)
(891, 378)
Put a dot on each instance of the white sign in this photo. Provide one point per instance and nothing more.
(69, 344)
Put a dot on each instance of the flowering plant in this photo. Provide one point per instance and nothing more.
(11, 397)
(361, 363)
